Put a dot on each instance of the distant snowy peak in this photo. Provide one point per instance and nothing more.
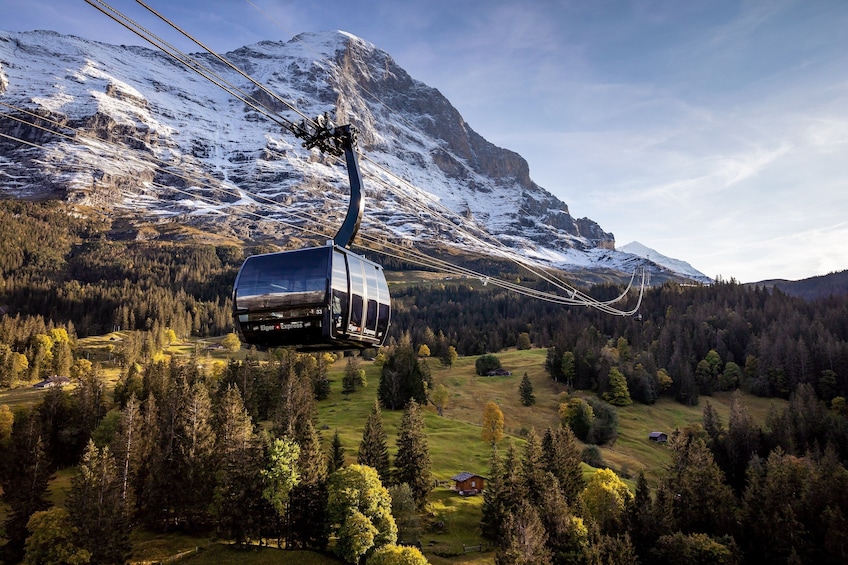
(677, 266)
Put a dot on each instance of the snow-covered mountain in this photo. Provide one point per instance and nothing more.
(678, 266)
(144, 136)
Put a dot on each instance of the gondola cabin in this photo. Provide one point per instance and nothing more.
(320, 298)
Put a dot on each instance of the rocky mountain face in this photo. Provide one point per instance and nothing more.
(129, 130)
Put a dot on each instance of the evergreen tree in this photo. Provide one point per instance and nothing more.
(525, 390)
(307, 521)
(524, 539)
(373, 449)
(403, 377)
(96, 508)
(533, 472)
(195, 450)
(412, 462)
(24, 475)
(568, 368)
(702, 502)
(237, 496)
(337, 458)
(562, 459)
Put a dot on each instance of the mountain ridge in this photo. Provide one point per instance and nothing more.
(158, 113)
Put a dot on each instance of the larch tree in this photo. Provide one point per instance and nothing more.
(53, 540)
(607, 498)
(493, 423)
(280, 476)
(412, 462)
(440, 397)
(617, 393)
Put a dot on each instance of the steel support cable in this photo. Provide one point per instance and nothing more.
(208, 73)
(118, 151)
(191, 63)
(502, 251)
(226, 61)
(402, 252)
(187, 61)
(423, 195)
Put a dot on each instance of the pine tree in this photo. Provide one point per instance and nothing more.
(373, 449)
(412, 462)
(525, 389)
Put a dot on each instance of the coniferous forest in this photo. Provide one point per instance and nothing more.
(173, 448)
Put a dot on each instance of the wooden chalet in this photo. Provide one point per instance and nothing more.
(468, 484)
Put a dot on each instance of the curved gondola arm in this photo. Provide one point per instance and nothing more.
(357, 203)
(322, 134)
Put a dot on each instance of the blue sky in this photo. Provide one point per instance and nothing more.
(712, 131)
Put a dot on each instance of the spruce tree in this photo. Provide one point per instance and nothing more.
(533, 472)
(373, 449)
(237, 496)
(524, 539)
(337, 458)
(307, 524)
(525, 390)
(23, 476)
(96, 508)
(562, 459)
(412, 463)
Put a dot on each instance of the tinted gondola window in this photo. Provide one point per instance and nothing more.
(357, 292)
(373, 294)
(341, 303)
(283, 279)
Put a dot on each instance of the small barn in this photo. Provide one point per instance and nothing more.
(467, 484)
(659, 437)
(54, 381)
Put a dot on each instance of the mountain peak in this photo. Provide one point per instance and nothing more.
(676, 266)
(201, 155)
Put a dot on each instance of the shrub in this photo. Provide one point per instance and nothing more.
(486, 363)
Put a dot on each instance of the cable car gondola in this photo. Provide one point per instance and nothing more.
(317, 298)
(313, 299)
